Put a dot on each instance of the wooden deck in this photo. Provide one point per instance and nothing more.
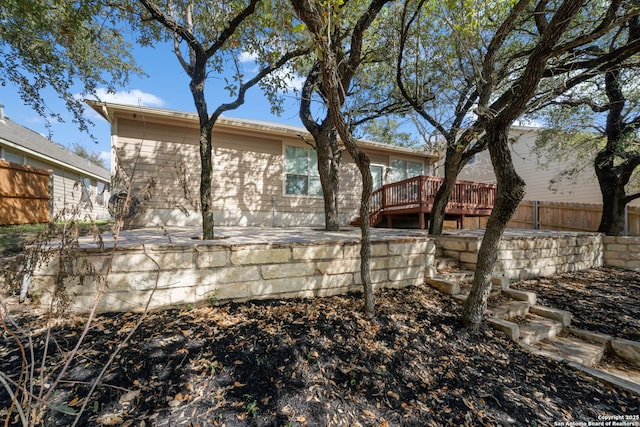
(414, 197)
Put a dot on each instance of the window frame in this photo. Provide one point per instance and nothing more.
(383, 170)
(311, 175)
(406, 168)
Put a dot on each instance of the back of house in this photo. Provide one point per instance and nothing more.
(264, 174)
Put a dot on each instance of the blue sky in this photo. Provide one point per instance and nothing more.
(166, 86)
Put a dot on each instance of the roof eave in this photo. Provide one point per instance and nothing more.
(51, 160)
(110, 110)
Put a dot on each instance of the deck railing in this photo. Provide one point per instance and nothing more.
(420, 191)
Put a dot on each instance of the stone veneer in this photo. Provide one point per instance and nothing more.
(191, 274)
(529, 254)
(622, 251)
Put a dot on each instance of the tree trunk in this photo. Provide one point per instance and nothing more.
(206, 198)
(611, 177)
(509, 193)
(206, 150)
(365, 230)
(363, 162)
(613, 195)
(326, 147)
(441, 199)
(328, 164)
(335, 89)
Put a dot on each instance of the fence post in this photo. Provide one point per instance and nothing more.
(536, 218)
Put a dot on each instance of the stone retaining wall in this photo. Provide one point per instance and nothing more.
(525, 256)
(189, 273)
(192, 274)
(622, 251)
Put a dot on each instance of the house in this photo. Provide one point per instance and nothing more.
(76, 185)
(541, 175)
(265, 174)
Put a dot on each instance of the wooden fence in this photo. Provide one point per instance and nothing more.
(561, 216)
(24, 194)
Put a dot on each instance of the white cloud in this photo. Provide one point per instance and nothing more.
(292, 81)
(528, 122)
(296, 83)
(248, 57)
(130, 97)
(105, 156)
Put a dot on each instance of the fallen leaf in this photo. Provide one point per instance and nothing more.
(394, 395)
(110, 420)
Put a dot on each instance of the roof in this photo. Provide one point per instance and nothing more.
(35, 145)
(110, 110)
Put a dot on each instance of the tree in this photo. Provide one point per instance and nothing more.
(609, 106)
(364, 99)
(616, 163)
(388, 130)
(327, 148)
(439, 51)
(93, 157)
(67, 46)
(318, 16)
(554, 54)
(212, 36)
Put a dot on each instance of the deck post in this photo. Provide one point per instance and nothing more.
(383, 198)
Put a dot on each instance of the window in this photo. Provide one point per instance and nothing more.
(101, 187)
(403, 169)
(301, 171)
(11, 156)
(377, 173)
(85, 186)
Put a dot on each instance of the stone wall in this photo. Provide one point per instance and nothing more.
(176, 275)
(622, 251)
(530, 254)
(193, 273)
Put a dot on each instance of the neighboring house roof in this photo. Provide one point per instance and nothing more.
(108, 111)
(37, 146)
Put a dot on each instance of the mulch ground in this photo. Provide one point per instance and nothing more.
(319, 362)
(603, 300)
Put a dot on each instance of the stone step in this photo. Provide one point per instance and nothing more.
(509, 310)
(461, 276)
(625, 379)
(536, 328)
(510, 329)
(530, 297)
(569, 348)
(445, 264)
(465, 290)
(627, 350)
(561, 316)
(444, 285)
